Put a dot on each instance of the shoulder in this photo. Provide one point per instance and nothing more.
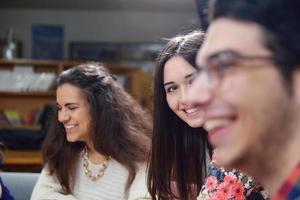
(45, 176)
(138, 189)
(46, 182)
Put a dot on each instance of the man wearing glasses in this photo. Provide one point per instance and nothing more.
(248, 85)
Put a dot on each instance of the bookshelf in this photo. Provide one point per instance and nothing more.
(21, 127)
(26, 161)
(136, 82)
(27, 94)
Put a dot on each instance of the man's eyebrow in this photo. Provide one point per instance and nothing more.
(217, 53)
(211, 56)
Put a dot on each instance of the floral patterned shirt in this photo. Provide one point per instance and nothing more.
(229, 184)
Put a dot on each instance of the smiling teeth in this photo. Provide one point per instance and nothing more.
(191, 110)
(69, 126)
(216, 123)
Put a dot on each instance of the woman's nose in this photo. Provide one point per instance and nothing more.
(183, 95)
(63, 116)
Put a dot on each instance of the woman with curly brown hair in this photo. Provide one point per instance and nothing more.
(98, 142)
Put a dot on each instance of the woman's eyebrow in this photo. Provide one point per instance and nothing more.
(168, 83)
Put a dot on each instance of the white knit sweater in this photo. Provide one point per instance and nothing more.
(110, 186)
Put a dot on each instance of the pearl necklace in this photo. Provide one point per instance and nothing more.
(88, 172)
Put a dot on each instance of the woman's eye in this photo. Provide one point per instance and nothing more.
(171, 89)
(72, 108)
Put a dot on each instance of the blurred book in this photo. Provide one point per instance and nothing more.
(13, 116)
(23, 79)
(3, 119)
(30, 117)
(47, 42)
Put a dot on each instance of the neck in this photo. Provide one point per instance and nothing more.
(94, 156)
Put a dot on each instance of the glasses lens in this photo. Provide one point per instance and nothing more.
(223, 61)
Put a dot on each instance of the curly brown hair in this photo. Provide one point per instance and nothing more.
(120, 127)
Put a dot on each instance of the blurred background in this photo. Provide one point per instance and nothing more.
(41, 38)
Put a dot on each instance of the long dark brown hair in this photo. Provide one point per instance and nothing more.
(179, 152)
(120, 128)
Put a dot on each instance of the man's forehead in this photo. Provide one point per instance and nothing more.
(228, 34)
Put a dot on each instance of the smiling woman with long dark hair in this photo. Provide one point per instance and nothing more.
(180, 164)
(179, 152)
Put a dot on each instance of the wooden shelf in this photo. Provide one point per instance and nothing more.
(119, 69)
(65, 64)
(28, 62)
(113, 68)
(30, 94)
(23, 157)
(22, 127)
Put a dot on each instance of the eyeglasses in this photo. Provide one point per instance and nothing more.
(219, 63)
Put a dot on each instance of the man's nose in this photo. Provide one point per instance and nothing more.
(201, 91)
